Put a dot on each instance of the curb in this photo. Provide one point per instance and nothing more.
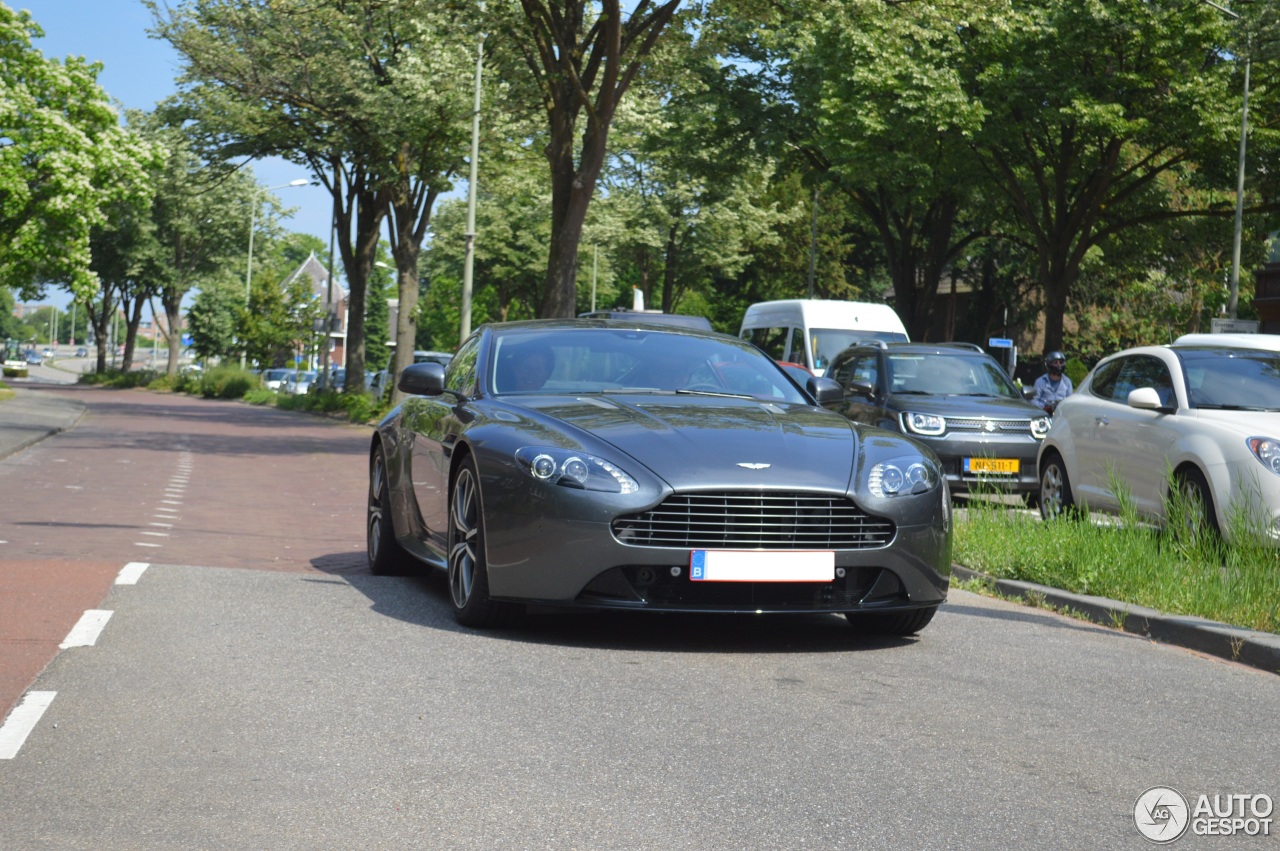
(1248, 647)
(28, 421)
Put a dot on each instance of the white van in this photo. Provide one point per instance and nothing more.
(813, 331)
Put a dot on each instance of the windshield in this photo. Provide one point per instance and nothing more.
(1233, 379)
(826, 343)
(949, 375)
(579, 361)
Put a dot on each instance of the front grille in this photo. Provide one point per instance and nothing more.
(755, 520)
(989, 426)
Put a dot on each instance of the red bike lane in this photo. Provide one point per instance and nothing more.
(166, 479)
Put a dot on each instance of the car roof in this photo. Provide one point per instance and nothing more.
(1267, 342)
(569, 324)
(655, 317)
(922, 348)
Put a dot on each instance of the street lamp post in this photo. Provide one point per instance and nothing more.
(469, 260)
(253, 222)
(1233, 290)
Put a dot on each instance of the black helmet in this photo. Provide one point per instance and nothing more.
(1055, 356)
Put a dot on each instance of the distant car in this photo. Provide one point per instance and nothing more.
(82, 352)
(954, 398)
(273, 378)
(653, 317)
(298, 382)
(597, 465)
(1203, 415)
(48, 353)
(378, 386)
(32, 357)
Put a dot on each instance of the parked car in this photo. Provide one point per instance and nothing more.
(379, 386)
(798, 371)
(32, 357)
(48, 353)
(82, 352)
(273, 378)
(813, 331)
(297, 382)
(1201, 415)
(954, 398)
(591, 464)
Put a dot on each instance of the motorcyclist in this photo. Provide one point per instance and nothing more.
(1054, 386)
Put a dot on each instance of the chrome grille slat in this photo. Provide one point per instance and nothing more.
(754, 520)
(980, 425)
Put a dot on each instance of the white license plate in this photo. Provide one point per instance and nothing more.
(759, 566)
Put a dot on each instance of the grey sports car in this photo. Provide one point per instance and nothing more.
(611, 464)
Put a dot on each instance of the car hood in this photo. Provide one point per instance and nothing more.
(708, 442)
(966, 406)
(1244, 423)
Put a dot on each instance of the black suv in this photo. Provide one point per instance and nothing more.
(952, 397)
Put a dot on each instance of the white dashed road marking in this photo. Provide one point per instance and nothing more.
(86, 631)
(131, 572)
(22, 720)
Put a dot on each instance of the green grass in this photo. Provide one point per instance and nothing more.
(1181, 569)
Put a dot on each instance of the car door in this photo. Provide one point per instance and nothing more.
(434, 424)
(1121, 448)
(858, 406)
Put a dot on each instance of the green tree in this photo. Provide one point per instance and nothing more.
(583, 57)
(1093, 113)
(62, 160)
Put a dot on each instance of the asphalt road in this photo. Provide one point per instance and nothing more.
(257, 687)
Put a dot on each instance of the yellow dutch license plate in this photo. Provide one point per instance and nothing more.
(1003, 466)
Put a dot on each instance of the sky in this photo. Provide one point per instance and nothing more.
(139, 71)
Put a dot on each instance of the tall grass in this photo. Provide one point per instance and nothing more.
(1183, 568)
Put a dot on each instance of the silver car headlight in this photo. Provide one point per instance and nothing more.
(911, 474)
(574, 470)
(1266, 450)
(926, 424)
(1040, 427)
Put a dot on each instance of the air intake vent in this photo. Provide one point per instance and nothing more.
(770, 521)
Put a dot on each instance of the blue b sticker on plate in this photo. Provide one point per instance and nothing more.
(698, 565)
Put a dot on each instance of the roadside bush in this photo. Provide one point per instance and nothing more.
(356, 407)
(120, 379)
(226, 382)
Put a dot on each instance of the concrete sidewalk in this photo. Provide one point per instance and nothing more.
(32, 415)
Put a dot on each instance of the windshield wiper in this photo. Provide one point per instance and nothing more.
(713, 393)
(912, 393)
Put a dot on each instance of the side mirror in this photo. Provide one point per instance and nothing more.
(1146, 398)
(825, 391)
(862, 388)
(422, 379)
(1029, 393)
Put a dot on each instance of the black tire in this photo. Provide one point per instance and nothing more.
(1055, 495)
(386, 556)
(468, 569)
(1198, 501)
(891, 623)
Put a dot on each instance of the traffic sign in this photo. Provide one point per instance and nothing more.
(999, 343)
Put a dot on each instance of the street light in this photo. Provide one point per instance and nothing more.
(1234, 286)
(253, 221)
(468, 264)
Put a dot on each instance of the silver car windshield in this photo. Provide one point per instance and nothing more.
(583, 361)
(1237, 379)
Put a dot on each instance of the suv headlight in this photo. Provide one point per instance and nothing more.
(1040, 427)
(911, 474)
(1266, 450)
(574, 470)
(928, 424)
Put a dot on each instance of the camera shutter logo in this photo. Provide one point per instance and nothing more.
(1161, 814)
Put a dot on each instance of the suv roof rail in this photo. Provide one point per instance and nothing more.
(879, 344)
(973, 347)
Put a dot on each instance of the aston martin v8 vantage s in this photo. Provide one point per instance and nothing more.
(610, 464)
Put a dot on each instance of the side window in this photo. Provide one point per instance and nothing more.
(460, 374)
(1152, 372)
(772, 340)
(1104, 383)
(866, 368)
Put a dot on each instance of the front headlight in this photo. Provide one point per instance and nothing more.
(927, 424)
(574, 470)
(1040, 427)
(1266, 450)
(911, 474)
